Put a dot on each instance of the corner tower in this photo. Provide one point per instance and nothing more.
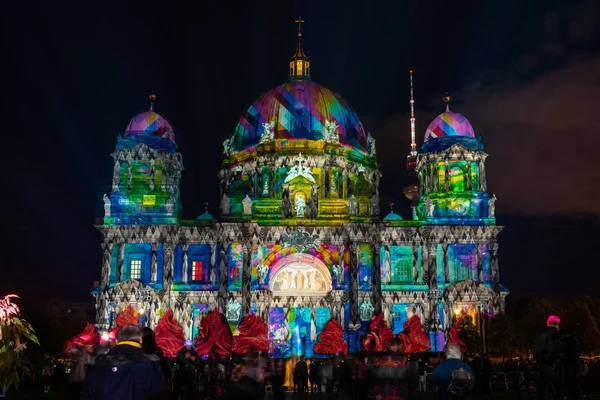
(451, 172)
(146, 175)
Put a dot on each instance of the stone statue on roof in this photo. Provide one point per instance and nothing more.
(268, 133)
(329, 132)
(106, 205)
(352, 205)
(247, 204)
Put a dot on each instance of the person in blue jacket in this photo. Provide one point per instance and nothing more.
(125, 372)
(453, 377)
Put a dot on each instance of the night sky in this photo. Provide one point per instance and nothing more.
(525, 73)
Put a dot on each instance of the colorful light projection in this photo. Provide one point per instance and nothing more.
(235, 265)
(278, 341)
(365, 267)
(299, 327)
(299, 109)
(276, 255)
(198, 312)
(462, 262)
(143, 196)
(449, 124)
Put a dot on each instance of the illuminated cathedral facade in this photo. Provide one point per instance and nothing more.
(300, 239)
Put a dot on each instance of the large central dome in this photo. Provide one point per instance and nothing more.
(300, 109)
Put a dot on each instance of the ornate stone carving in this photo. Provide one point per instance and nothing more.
(301, 240)
(492, 207)
(375, 205)
(338, 272)
(300, 206)
(366, 310)
(268, 133)
(352, 205)
(224, 204)
(329, 132)
(299, 169)
(262, 271)
(371, 144)
(233, 311)
(227, 146)
(170, 203)
(116, 176)
(106, 205)
(247, 204)
(429, 207)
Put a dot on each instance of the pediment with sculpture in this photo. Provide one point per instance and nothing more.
(300, 274)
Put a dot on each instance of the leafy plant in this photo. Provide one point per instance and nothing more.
(14, 332)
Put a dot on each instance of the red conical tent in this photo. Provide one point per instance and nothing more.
(252, 335)
(414, 339)
(379, 335)
(214, 337)
(169, 334)
(331, 339)
(87, 337)
(129, 316)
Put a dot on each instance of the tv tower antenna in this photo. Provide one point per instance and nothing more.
(413, 143)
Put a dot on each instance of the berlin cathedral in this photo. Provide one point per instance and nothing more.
(300, 238)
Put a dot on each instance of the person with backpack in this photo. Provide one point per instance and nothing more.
(453, 377)
(547, 350)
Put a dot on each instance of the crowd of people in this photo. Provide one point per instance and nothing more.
(135, 368)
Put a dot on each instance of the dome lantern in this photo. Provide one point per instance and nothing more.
(300, 64)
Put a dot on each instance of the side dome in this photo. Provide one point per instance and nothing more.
(449, 123)
(300, 109)
(150, 123)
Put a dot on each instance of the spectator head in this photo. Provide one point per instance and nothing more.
(395, 344)
(553, 321)
(129, 333)
(453, 351)
(148, 340)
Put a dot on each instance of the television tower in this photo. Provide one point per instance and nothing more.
(411, 189)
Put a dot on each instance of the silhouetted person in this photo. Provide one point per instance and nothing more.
(150, 347)
(301, 374)
(453, 377)
(547, 350)
(125, 372)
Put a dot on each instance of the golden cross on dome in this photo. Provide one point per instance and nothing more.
(299, 21)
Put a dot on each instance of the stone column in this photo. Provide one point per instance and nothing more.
(493, 249)
(482, 178)
(432, 267)
(326, 180)
(120, 262)
(221, 301)
(154, 266)
(184, 263)
(272, 183)
(435, 180)
(213, 273)
(415, 263)
(376, 280)
(246, 279)
(446, 175)
(106, 261)
(469, 182)
(353, 283)
(479, 263)
(446, 266)
(168, 249)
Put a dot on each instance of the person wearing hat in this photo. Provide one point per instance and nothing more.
(186, 371)
(547, 350)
